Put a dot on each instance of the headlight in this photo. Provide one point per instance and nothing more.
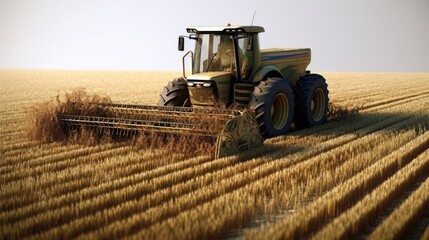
(191, 84)
(207, 84)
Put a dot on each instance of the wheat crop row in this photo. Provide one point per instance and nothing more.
(340, 175)
(352, 222)
(335, 201)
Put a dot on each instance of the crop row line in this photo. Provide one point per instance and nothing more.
(332, 203)
(354, 220)
(80, 175)
(257, 187)
(417, 109)
(223, 185)
(394, 99)
(396, 225)
(17, 146)
(376, 92)
(131, 186)
(332, 129)
(53, 163)
(28, 157)
(99, 190)
(28, 176)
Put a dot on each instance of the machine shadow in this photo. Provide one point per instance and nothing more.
(359, 123)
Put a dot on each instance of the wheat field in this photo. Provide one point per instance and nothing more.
(364, 176)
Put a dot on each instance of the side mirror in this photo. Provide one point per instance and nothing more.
(181, 45)
(249, 43)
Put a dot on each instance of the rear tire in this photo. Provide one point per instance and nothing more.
(273, 103)
(311, 101)
(175, 94)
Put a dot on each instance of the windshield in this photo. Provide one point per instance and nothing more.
(214, 52)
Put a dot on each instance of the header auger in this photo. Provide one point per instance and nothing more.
(236, 94)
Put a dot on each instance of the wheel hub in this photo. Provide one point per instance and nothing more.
(317, 104)
(280, 111)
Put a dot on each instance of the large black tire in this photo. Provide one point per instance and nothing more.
(175, 94)
(311, 101)
(273, 103)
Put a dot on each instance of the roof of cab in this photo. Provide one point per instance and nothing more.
(226, 29)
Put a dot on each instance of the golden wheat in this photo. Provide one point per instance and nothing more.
(408, 214)
(303, 183)
(351, 222)
(335, 201)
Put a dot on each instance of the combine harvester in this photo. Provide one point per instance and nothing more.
(236, 94)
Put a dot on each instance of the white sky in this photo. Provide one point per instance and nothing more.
(344, 35)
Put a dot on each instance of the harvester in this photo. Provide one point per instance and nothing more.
(235, 93)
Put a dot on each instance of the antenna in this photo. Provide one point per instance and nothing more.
(254, 13)
(249, 41)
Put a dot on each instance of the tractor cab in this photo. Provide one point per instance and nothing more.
(222, 57)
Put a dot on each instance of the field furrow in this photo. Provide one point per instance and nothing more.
(27, 176)
(311, 217)
(14, 131)
(375, 95)
(362, 173)
(104, 202)
(54, 162)
(15, 147)
(396, 102)
(144, 174)
(32, 156)
(248, 176)
(404, 218)
(378, 219)
(62, 182)
(348, 225)
(261, 191)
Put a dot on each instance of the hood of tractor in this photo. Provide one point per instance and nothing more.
(210, 76)
(208, 88)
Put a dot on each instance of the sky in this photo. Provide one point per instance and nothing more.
(344, 35)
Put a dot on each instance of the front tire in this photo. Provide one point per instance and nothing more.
(311, 101)
(175, 94)
(273, 103)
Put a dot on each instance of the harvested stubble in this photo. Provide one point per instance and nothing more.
(348, 225)
(105, 192)
(314, 215)
(336, 111)
(126, 177)
(396, 225)
(247, 178)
